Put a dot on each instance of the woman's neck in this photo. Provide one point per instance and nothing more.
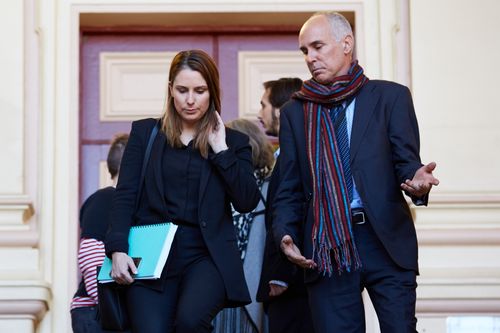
(187, 134)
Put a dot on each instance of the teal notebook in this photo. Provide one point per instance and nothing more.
(149, 246)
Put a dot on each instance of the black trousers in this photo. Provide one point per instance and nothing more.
(289, 314)
(336, 303)
(84, 320)
(192, 295)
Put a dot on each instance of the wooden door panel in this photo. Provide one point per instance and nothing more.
(229, 46)
(91, 127)
(95, 134)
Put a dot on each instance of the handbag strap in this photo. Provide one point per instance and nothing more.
(152, 137)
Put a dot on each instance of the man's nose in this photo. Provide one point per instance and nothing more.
(310, 58)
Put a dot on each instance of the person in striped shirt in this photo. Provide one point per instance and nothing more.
(94, 224)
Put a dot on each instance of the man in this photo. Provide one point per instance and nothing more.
(349, 147)
(281, 287)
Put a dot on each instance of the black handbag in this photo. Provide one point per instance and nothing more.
(112, 305)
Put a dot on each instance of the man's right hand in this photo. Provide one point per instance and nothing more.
(123, 265)
(293, 253)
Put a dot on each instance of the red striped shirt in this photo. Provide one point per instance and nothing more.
(90, 255)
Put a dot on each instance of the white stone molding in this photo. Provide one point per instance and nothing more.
(15, 212)
(133, 84)
(23, 304)
(464, 306)
(256, 67)
(16, 224)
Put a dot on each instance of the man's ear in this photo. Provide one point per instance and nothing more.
(277, 113)
(348, 44)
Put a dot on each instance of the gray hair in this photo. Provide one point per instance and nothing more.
(339, 24)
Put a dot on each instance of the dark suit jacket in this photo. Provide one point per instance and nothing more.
(226, 178)
(384, 149)
(275, 265)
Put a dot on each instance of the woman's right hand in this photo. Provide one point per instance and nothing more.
(123, 265)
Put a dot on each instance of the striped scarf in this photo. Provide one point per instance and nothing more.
(332, 234)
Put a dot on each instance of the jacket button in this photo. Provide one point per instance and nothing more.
(203, 224)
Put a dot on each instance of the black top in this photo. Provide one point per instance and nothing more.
(181, 179)
(94, 214)
(94, 221)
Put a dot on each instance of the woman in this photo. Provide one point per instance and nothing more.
(196, 170)
(251, 231)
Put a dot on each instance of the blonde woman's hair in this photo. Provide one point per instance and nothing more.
(262, 150)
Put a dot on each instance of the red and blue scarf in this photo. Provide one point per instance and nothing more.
(332, 234)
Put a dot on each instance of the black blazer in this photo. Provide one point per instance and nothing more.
(227, 178)
(384, 149)
(275, 265)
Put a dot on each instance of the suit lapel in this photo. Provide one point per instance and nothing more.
(366, 102)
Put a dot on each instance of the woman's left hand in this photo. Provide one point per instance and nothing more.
(217, 137)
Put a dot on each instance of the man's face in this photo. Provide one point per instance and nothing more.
(268, 115)
(325, 57)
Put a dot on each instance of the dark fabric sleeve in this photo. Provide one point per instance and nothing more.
(404, 136)
(235, 167)
(275, 265)
(288, 202)
(94, 215)
(122, 213)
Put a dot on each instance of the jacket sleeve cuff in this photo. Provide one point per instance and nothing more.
(279, 283)
(420, 201)
(224, 159)
(116, 242)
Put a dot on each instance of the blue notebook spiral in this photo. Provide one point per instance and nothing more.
(149, 246)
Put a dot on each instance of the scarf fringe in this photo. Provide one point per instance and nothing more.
(346, 258)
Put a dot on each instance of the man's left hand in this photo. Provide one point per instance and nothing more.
(422, 181)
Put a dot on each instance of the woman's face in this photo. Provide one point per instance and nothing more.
(191, 96)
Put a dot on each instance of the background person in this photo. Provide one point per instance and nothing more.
(94, 222)
(349, 148)
(281, 285)
(197, 169)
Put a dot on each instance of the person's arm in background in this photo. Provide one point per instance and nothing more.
(90, 255)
